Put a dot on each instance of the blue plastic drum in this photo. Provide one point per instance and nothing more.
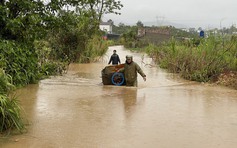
(118, 78)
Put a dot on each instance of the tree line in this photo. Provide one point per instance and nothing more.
(39, 38)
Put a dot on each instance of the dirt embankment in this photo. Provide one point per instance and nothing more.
(228, 79)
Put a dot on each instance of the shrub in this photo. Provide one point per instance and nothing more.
(10, 117)
(201, 63)
(19, 61)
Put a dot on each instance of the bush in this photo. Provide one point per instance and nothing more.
(202, 63)
(19, 61)
(96, 47)
(10, 117)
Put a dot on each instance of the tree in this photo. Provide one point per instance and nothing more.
(110, 21)
(20, 18)
(121, 24)
(139, 24)
(96, 8)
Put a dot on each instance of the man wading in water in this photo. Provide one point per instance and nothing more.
(114, 58)
(130, 70)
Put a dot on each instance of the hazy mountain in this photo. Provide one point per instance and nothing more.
(153, 23)
(165, 23)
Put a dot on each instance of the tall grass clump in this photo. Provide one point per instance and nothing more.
(95, 48)
(199, 63)
(10, 117)
(48, 64)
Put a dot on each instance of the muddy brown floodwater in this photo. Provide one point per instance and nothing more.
(76, 111)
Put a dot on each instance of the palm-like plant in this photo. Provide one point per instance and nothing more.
(5, 83)
(9, 109)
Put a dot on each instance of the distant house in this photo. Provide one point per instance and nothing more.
(155, 35)
(106, 26)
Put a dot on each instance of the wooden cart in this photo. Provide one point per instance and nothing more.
(111, 77)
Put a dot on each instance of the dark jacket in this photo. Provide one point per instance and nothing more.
(114, 59)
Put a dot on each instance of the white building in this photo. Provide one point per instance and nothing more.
(106, 26)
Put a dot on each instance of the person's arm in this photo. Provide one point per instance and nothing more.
(140, 71)
(120, 70)
(110, 60)
(119, 60)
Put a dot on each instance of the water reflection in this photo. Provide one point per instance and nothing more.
(28, 100)
(129, 98)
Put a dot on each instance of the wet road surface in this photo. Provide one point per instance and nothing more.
(76, 111)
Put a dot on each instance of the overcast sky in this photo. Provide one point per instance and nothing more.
(191, 13)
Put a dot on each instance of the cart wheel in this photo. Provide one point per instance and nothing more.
(117, 78)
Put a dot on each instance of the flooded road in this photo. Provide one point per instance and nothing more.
(76, 111)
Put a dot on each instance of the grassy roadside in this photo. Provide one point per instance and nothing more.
(213, 60)
(10, 118)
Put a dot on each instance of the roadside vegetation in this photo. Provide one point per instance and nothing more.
(10, 115)
(212, 58)
(39, 39)
(202, 63)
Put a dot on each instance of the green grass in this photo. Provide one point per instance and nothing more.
(10, 117)
(201, 62)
